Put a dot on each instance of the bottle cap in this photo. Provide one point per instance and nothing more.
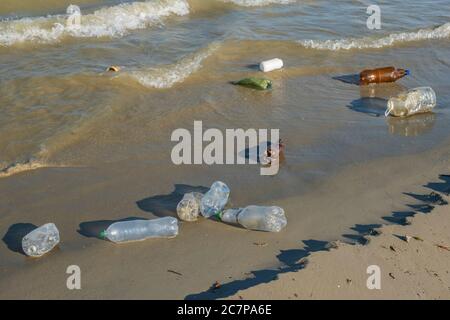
(407, 72)
(102, 234)
(218, 215)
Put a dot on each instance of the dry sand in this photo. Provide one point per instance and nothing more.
(416, 267)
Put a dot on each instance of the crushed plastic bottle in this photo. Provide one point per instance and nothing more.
(188, 208)
(271, 219)
(41, 240)
(418, 100)
(382, 75)
(138, 230)
(215, 199)
(254, 83)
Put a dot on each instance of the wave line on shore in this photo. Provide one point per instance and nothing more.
(112, 21)
(441, 32)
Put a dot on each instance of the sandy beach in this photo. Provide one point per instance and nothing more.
(83, 148)
(237, 258)
(414, 262)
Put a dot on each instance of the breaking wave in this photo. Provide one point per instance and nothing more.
(106, 22)
(167, 76)
(14, 168)
(258, 3)
(440, 32)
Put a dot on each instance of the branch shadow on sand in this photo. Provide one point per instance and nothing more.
(290, 259)
(166, 204)
(296, 259)
(13, 237)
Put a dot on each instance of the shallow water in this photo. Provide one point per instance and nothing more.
(55, 92)
(61, 109)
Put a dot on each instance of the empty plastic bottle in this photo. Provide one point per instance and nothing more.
(41, 240)
(418, 100)
(138, 230)
(381, 75)
(188, 208)
(215, 199)
(271, 219)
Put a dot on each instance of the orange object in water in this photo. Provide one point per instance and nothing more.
(381, 75)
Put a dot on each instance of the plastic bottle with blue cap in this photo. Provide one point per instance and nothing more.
(382, 75)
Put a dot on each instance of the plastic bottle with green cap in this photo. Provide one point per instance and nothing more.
(215, 199)
(138, 230)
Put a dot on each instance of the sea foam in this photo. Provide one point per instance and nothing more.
(168, 75)
(258, 3)
(441, 32)
(112, 21)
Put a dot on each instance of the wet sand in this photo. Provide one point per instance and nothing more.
(83, 201)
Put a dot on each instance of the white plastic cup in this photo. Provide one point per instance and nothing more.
(271, 65)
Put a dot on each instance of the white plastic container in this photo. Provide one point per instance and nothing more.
(271, 65)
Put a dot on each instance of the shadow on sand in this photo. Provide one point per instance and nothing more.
(295, 259)
(290, 259)
(13, 237)
(166, 204)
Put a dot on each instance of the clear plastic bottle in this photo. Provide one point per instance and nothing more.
(215, 199)
(271, 219)
(188, 208)
(41, 240)
(138, 230)
(418, 100)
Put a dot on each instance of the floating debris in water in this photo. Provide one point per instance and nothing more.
(254, 83)
(113, 69)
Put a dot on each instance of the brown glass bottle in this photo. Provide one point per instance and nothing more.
(381, 75)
